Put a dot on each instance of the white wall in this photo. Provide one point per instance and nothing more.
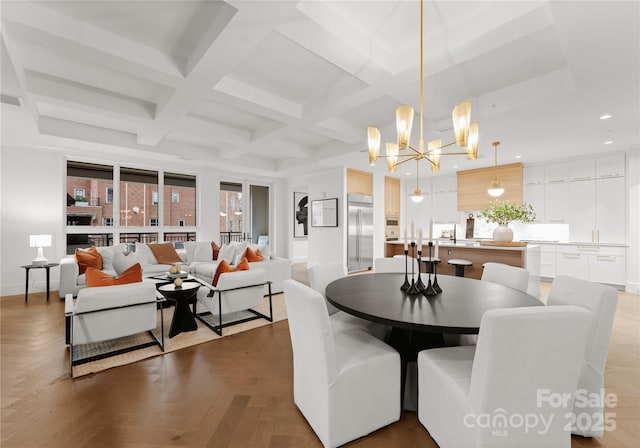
(32, 203)
(633, 237)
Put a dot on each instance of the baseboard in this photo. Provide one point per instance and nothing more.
(632, 287)
(14, 289)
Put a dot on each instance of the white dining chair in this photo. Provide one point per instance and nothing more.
(503, 274)
(394, 265)
(346, 382)
(320, 276)
(600, 301)
(490, 394)
(506, 275)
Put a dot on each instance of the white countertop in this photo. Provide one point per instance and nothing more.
(472, 245)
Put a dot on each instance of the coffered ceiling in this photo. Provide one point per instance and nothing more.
(284, 88)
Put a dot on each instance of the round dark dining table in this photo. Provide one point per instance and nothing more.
(457, 309)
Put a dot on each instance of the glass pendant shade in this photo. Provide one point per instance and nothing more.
(404, 123)
(496, 190)
(434, 148)
(392, 157)
(374, 144)
(461, 118)
(417, 195)
(472, 141)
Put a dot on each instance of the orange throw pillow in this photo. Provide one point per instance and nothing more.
(96, 277)
(253, 256)
(165, 253)
(216, 250)
(243, 265)
(90, 258)
(224, 267)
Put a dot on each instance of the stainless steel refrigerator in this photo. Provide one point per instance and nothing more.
(360, 232)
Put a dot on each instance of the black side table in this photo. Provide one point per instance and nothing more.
(183, 319)
(30, 266)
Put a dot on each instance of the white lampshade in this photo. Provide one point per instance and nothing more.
(417, 196)
(40, 241)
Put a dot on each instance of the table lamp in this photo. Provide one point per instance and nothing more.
(40, 241)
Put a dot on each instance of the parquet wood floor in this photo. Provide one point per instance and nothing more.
(233, 392)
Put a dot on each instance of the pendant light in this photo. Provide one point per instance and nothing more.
(496, 189)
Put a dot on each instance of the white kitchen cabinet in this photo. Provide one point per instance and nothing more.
(556, 202)
(597, 210)
(548, 260)
(610, 166)
(533, 194)
(533, 175)
(602, 264)
(445, 200)
(582, 169)
(556, 172)
(610, 210)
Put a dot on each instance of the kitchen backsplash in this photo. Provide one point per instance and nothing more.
(521, 231)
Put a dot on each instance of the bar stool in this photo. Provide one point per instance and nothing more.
(459, 264)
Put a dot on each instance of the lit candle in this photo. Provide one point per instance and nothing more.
(419, 240)
(437, 247)
(406, 244)
(431, 230)
(413, 235)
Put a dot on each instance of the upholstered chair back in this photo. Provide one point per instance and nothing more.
(510, 276)
(238, 299)
(600, 301)
(518, 354)
(314, 355)
(394, 265)
(321, 275)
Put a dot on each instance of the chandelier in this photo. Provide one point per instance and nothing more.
(466, 135)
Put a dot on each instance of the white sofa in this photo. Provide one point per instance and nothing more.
(197, 257)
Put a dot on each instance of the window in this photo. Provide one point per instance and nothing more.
(136, 196)
(179, 199)
(230, 207)
(88, 187)
(153, 222)
(154, 198)
(107, 221)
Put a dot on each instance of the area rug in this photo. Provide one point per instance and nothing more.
(201, 335)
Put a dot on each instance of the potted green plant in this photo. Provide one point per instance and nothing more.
(502, 213)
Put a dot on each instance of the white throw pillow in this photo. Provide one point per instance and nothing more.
(144, 254)
(122, 262)
(203, 252)
(241, 248)
(107, 254)
(227, 253)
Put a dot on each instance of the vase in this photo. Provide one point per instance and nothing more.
(503, 234)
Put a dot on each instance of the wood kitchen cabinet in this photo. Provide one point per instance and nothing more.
(359, 182)
(391, 196)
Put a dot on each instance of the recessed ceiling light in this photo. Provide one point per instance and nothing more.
(605, 116)
(608, 142)
(518, 157)
(407, 174)
(455, 166)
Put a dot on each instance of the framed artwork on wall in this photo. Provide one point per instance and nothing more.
(300, 214)
(324, 213)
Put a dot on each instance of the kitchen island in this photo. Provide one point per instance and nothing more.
(527, 257)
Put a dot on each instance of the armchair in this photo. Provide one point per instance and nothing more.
(235, 292)
(110, 312)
